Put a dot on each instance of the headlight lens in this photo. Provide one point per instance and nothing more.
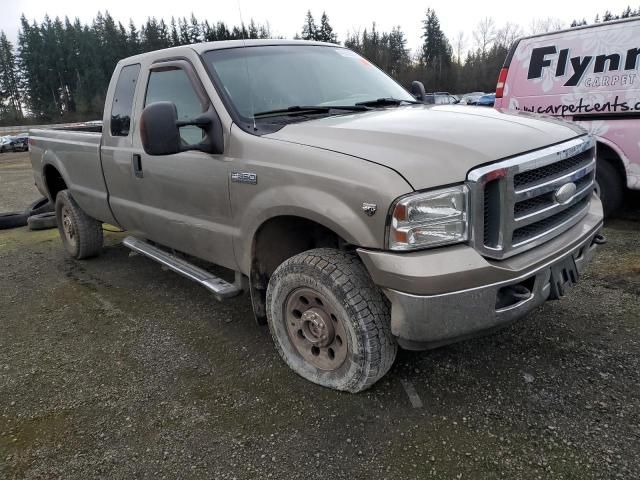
(429, 219)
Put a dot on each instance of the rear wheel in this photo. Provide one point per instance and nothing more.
(81, 235)
(610, 186)
(329, 322)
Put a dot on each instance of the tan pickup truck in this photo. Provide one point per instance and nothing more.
(358, 217)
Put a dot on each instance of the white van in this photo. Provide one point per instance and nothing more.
(590, 75)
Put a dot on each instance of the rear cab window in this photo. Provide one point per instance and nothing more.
(122, 105)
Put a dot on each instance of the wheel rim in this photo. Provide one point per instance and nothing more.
(67, 227)
(315, 329)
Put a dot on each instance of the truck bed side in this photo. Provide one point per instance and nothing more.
(73, 156)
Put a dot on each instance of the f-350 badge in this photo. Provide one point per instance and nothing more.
(244, 177)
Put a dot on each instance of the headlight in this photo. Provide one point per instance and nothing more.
(429, 219)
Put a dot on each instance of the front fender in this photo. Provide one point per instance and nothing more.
(292, 200)
(323, 186)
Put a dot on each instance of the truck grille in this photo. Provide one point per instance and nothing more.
(518, 203)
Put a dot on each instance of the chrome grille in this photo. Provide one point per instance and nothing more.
(547, 172)
(515, 204)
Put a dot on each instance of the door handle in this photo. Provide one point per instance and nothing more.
(136, 160)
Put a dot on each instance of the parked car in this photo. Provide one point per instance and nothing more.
(336, 203)
(471, 98)
(14, 144)
(486, 100)
(589, 75)
(440, 98)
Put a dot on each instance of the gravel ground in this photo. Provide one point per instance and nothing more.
(114, 368)
(17, 189)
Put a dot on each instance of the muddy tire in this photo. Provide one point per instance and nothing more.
(328, 320)
(81, 235)
(42, 221)
(610, 186)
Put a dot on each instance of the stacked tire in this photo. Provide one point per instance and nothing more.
(39, 215)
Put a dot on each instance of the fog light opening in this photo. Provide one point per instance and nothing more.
(513, 294)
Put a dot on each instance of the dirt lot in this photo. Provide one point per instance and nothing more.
(114, 368)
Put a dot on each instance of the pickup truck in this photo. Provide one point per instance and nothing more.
(358, 218)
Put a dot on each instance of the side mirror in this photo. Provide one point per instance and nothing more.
(160, 130)
(417, 90)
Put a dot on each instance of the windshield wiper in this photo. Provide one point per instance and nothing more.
(383, 102)
(301, 109)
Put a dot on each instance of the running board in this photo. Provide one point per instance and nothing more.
(219, 287)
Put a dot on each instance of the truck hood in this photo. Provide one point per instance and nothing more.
(430, 145)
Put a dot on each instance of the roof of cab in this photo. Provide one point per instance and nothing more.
(205, 46)
(224, 44)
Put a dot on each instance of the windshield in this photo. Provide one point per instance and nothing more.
(261, 79)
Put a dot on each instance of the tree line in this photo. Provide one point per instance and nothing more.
(60, 69)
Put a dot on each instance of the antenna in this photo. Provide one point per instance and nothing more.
(246, 64)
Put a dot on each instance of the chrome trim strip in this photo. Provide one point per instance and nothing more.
(554, 231)
(538, 215)
(538, 158)
(542, 188)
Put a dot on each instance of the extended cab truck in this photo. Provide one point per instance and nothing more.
(358, 218)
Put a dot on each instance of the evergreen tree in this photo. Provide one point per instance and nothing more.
(309, 29)
(175, 39)
(325, 32)
(436, 52)
(133, 39)
(195, 35)
(10, 101)
(185, 34)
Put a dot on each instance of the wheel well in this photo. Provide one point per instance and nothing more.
(276, 240)
(609, 155)
(54, 181)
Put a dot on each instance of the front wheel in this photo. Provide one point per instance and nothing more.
(329, 322)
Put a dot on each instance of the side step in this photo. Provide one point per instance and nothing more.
(220, 288)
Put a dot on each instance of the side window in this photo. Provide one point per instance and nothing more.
(123, 100)
(174, 86)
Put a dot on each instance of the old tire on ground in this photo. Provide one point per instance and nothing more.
(610, 186)
(328, 320)
(42, 221)
(12, 220)
(42, 205)
(81, 235)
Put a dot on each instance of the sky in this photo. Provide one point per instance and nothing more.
(285, 17)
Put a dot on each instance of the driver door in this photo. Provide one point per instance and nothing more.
(182, 199)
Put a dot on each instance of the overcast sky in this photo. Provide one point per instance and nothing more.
(286, 16)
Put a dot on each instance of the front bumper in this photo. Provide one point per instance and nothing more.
(449, 294)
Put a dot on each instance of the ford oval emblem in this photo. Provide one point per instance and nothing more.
(563, 194)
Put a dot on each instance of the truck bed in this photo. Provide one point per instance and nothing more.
(74, 155)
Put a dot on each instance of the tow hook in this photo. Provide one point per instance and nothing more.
(599, 239)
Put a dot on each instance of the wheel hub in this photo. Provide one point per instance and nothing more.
(315, 329)
(67, 226)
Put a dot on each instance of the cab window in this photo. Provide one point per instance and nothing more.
(122, 104)
(173, 85)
